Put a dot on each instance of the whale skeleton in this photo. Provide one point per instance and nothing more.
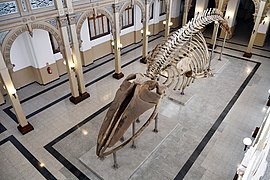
(181, 58)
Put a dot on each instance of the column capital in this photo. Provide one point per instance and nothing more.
(116, 8)
(63, 21)
(72, 19)
(147, 1)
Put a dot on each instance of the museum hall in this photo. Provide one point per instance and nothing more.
(135, 89)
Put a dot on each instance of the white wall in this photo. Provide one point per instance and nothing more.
(176, 8)
(27, 51)
(200, 6)
(19, 55)
(263, 28)
(231, 11)
(88, 44)
(42, 48)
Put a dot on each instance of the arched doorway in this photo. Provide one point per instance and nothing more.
(27, 56)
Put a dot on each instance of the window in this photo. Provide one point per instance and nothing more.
(151, 11)
(162, 7)
(98, 26)
(127, 18)
(54, 44)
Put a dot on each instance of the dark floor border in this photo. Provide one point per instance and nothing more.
(239, 50)
(158, 35)
(2, 128)
(43, 171)
(196, 153)
(240, 44)
(49, 147)
(13, 116)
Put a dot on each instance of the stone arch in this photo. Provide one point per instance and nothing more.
(87, 14)
(138, 3)
(13, 34)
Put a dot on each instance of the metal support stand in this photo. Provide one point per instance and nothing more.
(115, 165)
(133, 132)
(214, 45)
(156, 124)
(224, 41)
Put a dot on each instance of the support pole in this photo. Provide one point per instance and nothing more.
(115, 165)
(215, 30)
(168, 19)
(223, 45)
(248, 53)
(118, 71)
(133, 133)
(24, 126)
(145, 33)
(211, 55)
(156, 124)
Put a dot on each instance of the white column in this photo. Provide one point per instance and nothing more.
(67, 52)
(145, 32)
(117, 53)
(2, 99)
(24, 127)
(200, 6)
(187, 6)
(248, 53)
(168, 18)
(216, 26)
(262, 30)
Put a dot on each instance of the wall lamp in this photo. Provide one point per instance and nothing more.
(13, 92)
(247, 142)
(170, 24)
(119, 45)
(148, 32)
(72, 66)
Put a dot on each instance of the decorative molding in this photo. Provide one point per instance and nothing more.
(138, 3)
(63, 21)
(117, 7)
(23, 5)
(72, 19)
(13, 34)
(2, 36)
(37, 4)
(84, 16)
(9, 7)
(53, 22)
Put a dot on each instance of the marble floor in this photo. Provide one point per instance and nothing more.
(204, 143)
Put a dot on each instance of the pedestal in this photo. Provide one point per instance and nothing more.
(118, 75)
(25, 129)
(76, 100)
(129, 159)
(143, 60)
(247, 55)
